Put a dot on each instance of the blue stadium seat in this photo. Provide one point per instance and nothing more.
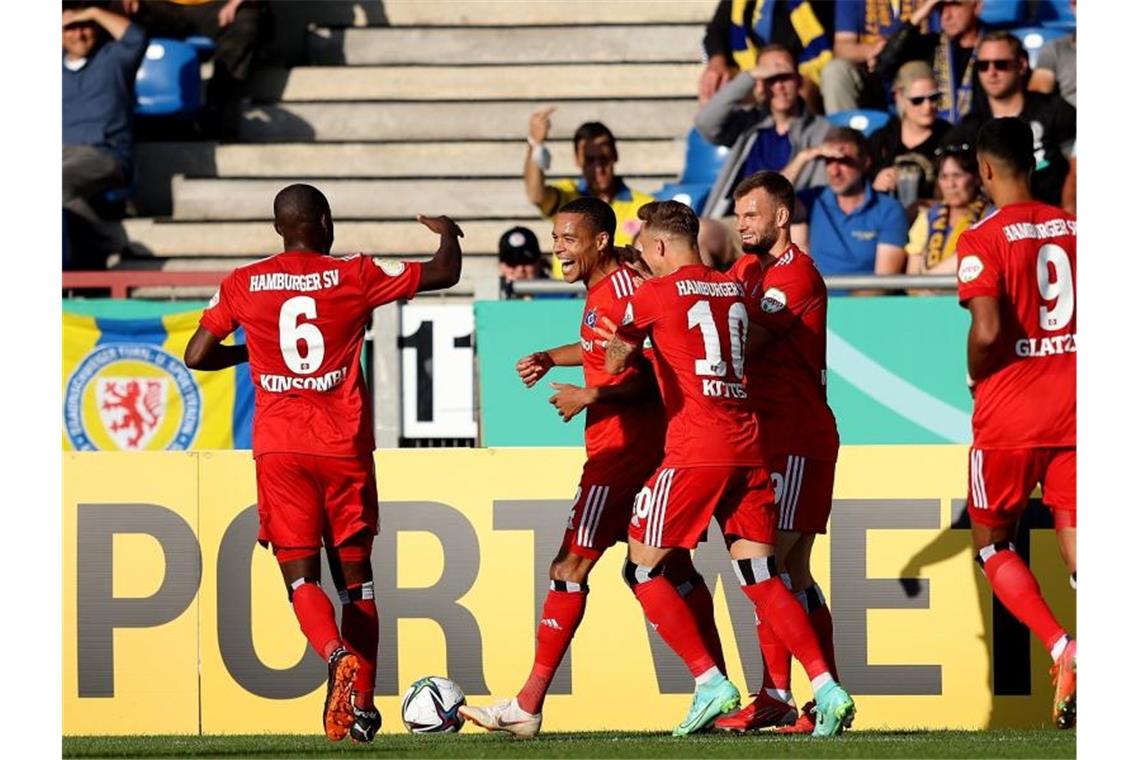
(202, 45)
(863, 119)
(1004, 13)
(703, 160)
(169, 81)
(1036, 37)
(1056, 14)
(692, 195)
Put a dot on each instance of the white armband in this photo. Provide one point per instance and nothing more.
(540, 155)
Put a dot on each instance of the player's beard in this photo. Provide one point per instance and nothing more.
(763, 244)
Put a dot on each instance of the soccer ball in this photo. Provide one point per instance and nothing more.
(431, 706)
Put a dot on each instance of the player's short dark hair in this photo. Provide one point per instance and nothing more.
(671, 218)
(849, 136)
(591, 131)
(596, 212)
(300, 204)
(773, 183)
(1009, 140)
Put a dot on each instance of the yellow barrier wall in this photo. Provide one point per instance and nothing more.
(176, 622)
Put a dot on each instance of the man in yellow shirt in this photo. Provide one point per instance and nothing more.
(595, 153)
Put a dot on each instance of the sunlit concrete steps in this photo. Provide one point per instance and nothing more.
(628, 118)
(217, 199)
(434, 46)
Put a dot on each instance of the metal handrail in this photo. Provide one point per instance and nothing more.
(947, 282)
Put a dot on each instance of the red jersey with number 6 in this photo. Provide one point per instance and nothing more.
(304, 316)
(1025, 256)
(698, 324)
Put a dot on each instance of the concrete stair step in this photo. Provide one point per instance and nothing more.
(420, 83)
(216, 241)
(434, 46)
(501, 120)
(420, 159)
(516, 12)
(398, 199)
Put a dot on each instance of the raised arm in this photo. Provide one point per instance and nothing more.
(206, 352)
(620, 355)
(537, 160)
(444, 268)
(114, 24)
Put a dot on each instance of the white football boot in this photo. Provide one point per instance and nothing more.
(504, 716)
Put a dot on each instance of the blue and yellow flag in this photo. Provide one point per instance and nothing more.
(125, 388)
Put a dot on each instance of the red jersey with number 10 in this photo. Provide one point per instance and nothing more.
(304, 316)
(1025, 256)
(698, 325)
(625, 439)
(787, 382)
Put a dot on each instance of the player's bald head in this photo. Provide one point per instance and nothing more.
(301, 215)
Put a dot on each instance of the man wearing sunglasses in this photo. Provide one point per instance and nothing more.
(1003, 69)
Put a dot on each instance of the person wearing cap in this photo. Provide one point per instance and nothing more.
(520, 258)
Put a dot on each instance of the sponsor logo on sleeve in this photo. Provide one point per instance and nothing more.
(970, 269)
(774, 300)
(628, 318)
(215, 299)
(390, 268)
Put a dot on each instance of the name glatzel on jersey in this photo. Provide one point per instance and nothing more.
(1040, 230)
(713, 289)
(286, 383)
(304, 283)
(1050, 346)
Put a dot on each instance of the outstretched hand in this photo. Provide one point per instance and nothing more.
(570, 399)
(440, 225)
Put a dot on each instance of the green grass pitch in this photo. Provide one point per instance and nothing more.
(1045, 743)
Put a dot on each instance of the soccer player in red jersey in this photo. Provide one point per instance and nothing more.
(697, 322)
(1017, 274)
(625, 434)
(786, 376)
(304, 313)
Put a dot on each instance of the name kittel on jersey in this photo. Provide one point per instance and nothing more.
(715, 289)
(304, 283)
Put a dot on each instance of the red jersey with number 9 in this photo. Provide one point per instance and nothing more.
(304, 316)
(698, 324)
(1025, 255)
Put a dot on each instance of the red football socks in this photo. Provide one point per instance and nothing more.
(360, 628)
(776, 606)
(700, 603)
(777, 657)
(561, 613)
(1015, 586)
(820, 618)
(669, 614)
(315, 614)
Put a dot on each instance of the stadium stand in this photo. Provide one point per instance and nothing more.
(169, 82)
(425, 115)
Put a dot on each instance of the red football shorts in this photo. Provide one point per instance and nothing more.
(1001, 481)
(676, 505)
(599, 516)
(302, 498)
(803, 492)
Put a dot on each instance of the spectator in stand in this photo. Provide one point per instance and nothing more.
(1057, 67)
(1003, 68)
(851, 228)
(932, 244)
(740, 29)
(235, 26)
(520, 257)
(903, 151)
(950, 53)
(595, 153)
(101, 53)
(766, 135)
(851, 79)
